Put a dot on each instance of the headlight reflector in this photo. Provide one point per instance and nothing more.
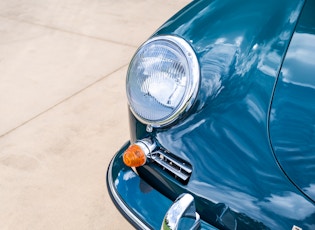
(162, 80)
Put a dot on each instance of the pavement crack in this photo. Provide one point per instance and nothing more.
(67, 31)
(62, 101)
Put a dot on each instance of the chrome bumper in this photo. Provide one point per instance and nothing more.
(142, 205)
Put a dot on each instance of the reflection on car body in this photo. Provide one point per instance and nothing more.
(222, 120)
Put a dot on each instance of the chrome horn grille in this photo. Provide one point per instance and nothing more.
(180, 169)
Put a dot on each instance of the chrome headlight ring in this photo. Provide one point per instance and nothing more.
(162, 80)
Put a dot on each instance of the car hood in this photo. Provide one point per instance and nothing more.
(292, 117)
(240, 46)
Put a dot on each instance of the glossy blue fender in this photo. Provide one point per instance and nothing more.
(292, 120)
(241, 47)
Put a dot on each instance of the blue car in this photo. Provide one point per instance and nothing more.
(222, 120)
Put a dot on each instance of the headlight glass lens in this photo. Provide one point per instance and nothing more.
(162, 80)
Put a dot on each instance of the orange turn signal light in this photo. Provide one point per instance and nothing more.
(134, 156)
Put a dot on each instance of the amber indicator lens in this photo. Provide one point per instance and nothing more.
(134, 156)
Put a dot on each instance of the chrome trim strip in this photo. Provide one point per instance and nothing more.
(120, 203)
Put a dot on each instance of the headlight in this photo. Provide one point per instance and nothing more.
(162, 80)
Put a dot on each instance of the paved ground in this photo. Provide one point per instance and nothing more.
(63, 110)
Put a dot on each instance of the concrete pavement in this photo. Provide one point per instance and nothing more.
(63, 110)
